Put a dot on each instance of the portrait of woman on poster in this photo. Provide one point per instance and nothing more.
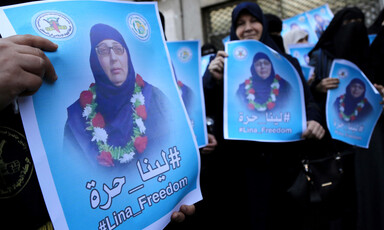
(120, 116)
(264, 90)
(353, 105)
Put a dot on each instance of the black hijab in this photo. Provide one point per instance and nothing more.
(255, 11)
(349, 41)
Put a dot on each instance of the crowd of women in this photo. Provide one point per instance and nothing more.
(245, 183)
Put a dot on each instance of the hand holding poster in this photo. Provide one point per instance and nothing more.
(185, 56)
(353, 108)
(110, 139)
(263, 95)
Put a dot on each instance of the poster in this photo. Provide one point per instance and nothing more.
(185, 56)
(110, 139)
(263, 95)
(314, 22)
(353, 108)
(300, 51)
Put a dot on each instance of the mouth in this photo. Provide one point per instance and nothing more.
(116, 70)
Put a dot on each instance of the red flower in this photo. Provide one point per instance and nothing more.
(340, 115)
(251, 106)
(141, 112)
(278, 77)
(275, 91)
(105, 159)
(141, 143)
(270, 105)
(180, 84)
(359, 108)
(139, 80)
(251, 91)
(86, 97)
(91, 85)
(353, 117)
(98, 121)
(247, 82)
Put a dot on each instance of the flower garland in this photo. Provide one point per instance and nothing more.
(179, 86)
(96, 124)
(353, 115)
(270, 102)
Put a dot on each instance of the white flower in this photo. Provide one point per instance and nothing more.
(138, 96)
(140, 124)
(275, 85)
(247, 86)
(251, 97)
(341, 109)
(87, 110)
(127, 157)
(273, 97)
(180, 92)
(99, 134)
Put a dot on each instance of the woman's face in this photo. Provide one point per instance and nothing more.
(113, 59)
(248, 27)
(263, 68)
(357, 90)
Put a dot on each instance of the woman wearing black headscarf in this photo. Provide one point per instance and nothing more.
(262, 171)
(346, 37)
(120, 116)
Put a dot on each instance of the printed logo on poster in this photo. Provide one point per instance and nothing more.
(240, 53)
(342, 73)
(184, 54)
(54, 24)
(139, 26)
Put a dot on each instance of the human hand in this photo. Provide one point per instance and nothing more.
(184, 210)
(216, 67)
(314, 131)
(24, 66)
(311, 79)
(326, 84)
(212, 143)
(380, 88)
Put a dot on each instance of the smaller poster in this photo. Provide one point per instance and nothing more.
(263, 95)
(300, 21)
(319, 19)
(314, 22)
(353, 108)
(300, 51)
(185, 56)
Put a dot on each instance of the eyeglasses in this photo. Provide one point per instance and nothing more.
(104, 50)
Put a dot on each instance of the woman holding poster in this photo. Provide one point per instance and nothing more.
(264, 169)
(346, 38)
(113, 121)
(265, 89)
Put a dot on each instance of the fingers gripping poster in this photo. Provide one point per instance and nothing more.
(110, 139)
(263, 95)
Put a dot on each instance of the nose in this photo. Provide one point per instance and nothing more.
(112, 55)
(248, 26)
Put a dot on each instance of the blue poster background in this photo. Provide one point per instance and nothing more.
(75, 180)
(352, 130)
(185, 56)
(283, 123)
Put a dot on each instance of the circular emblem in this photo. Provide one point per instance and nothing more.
(139, 26)
(54, 24)
(184, 54)
(240, 53)
(342, 73)
(16, 165)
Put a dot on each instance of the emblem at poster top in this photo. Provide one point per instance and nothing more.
(184, 54)
(54, 24)
(139, 26)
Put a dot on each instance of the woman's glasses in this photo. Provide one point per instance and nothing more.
(105, 50)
